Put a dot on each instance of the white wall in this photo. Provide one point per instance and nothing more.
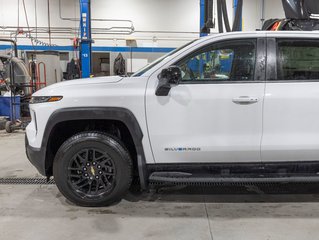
(251, 15)
(274, 9)
(157, 23)
(179, 19)
(147, 15)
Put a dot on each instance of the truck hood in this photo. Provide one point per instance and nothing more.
(85, 81)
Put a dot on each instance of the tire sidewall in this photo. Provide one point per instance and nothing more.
(119, 155)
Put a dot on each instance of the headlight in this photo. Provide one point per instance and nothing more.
(45, 99)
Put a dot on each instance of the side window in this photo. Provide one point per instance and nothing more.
(226, 61)
(297, 59)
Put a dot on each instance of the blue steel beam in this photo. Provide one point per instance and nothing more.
(86, 38)
(241, 19)
(202, 18)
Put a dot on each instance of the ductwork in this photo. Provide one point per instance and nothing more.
(209, 23)
(222, 16)
(225, 15)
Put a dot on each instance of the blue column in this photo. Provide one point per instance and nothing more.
(235, 8)
(202, 17)
(86, 41)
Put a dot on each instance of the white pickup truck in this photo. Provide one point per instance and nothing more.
(240, 107)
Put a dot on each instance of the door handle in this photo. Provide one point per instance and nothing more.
(245, 100)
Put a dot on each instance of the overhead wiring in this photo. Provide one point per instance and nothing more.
(36, 18)
(27, 21)
(49, 23)
(129, 29)
(28, 34)
(16, 35)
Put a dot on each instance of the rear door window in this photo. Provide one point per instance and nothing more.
(297, 59)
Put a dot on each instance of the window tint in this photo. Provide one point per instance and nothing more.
(297, 60)
(227, 61)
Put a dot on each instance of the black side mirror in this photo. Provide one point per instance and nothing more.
(169, 77)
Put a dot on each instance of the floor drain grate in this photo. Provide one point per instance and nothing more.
(26, 181)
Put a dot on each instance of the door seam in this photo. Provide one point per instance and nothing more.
(263, 100)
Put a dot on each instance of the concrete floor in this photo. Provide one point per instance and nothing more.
(224, 212)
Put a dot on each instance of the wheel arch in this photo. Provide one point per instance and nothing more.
(122, 115)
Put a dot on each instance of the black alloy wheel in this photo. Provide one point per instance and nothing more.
(93, 169)
(91, 172)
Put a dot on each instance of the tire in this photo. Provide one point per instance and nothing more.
(93, 169)
(8, 127)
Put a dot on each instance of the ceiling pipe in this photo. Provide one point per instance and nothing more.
(96, 19)
(112, 38)
(94, 30)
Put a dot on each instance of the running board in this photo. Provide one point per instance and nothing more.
(188, 178)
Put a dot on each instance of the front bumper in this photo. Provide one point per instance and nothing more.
(36, 157)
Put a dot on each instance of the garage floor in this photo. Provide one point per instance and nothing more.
(32, 212)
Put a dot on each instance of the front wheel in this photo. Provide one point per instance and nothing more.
(8, 126)
(92, 169)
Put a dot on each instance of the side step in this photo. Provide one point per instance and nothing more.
(188, 178)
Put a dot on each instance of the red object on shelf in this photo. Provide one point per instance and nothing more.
(39, 83)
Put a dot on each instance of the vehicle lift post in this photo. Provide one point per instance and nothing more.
(241, 19)
(86, 38)
(202, 18)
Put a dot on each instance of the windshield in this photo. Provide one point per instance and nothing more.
(149, 66)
